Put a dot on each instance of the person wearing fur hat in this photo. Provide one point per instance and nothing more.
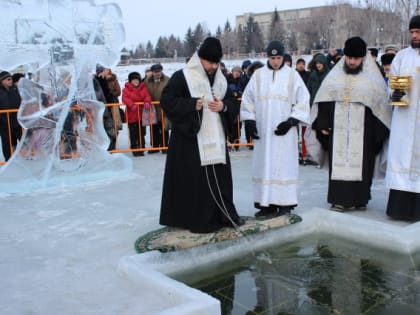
(135, 91)
(197, 186)
(9, 99)
(275, 101)
(351, 118)
(391, 49)
(403, 165)
(107, 90)
(155, 84)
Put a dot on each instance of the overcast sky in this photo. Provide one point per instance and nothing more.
(147, 20)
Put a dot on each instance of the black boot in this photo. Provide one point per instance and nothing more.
(284, 210)
(266, 212)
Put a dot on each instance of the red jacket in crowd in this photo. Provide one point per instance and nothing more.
(132, 94)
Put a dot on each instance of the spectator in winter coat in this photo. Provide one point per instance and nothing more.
(300, 68)
(244, 78)
(135, 91)
(108, 90)
(318, 74)
(254, 66)
(320, 71)
(9, 99)
(160, 131)
(287, 58)
(334, 56)
(233, 81)
(233, 85)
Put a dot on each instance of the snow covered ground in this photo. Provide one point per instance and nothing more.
(70, 250)
(60, 248)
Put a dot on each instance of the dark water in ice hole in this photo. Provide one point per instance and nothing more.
(316, 276)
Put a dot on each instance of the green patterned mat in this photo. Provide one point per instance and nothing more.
(169, 239)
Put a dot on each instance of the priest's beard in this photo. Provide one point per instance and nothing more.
(349, 70)
(415, 44)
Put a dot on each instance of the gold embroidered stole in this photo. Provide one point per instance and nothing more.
(349, 121)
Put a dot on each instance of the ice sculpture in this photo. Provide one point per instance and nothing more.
(60, 41)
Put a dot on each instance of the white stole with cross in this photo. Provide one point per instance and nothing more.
(211, 137)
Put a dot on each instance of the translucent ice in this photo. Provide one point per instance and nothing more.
(60, 42)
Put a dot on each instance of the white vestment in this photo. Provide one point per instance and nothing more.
(403, 168)
(270, 98)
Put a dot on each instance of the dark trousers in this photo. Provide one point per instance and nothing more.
(159, 138)
(136, 135)
(235, 135)
(6, 145)
(112, 143)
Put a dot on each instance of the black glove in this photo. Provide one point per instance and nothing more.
(397, 95)
(251, 126)
(285, 126)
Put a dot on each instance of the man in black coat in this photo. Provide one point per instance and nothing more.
(9, 99)
(197, 187)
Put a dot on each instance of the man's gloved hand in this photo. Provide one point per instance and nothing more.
(285, 126)
(397, 95)
(251, 126)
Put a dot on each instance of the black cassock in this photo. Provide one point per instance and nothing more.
(403, 205)
(351, 193)
(193, 195)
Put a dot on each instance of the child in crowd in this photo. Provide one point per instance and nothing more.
(135, 91)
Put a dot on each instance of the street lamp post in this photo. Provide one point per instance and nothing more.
(379, 30)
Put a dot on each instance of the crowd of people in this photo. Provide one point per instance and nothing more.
(138, 96)
(332, 112)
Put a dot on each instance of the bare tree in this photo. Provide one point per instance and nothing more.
(386, 21)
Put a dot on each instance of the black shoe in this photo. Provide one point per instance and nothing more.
(152, 151)
(240, 222)
(163, 151)
(310, 162)
(269, 212)
(284, 210)
(340, 208)
(138, 153)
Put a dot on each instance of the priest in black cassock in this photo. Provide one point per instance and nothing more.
(352, 123)
(197, 187)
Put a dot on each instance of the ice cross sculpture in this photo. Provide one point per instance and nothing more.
(60, 42)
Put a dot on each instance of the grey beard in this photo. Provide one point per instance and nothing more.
(349, 70)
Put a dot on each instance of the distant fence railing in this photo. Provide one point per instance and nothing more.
(231, 144)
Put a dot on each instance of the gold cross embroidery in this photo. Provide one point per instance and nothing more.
(348, 87)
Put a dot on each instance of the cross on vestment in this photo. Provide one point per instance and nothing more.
(350, 82)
